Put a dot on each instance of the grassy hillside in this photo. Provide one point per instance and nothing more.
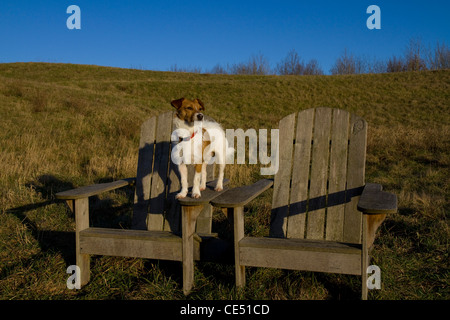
(64, 126)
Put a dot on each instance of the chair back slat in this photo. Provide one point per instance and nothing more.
(319, 174)
(144, 174)
(355, 178)
(337, 176)
(160, 171)
(300, 174)
(281, 184)
(172, 216)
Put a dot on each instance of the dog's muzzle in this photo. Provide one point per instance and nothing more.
(200, 116)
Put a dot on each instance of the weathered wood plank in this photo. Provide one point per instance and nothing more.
(375, 201)
(129, 234)
(337, 176)
(81, 223)
(364, 257)
(92, 190)
(236, 215)
(319, 174)
(355, 178)
(295, 254)
(282, 179)
(160, 171)
(172, 218)
(132, 243)
(204, 220)
(300, 174)
(300, 244)
(189, 216)
(144, 174)
(240, 196)
(207, 195)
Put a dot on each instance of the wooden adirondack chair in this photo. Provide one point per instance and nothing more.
(162, 227)
(324, 216)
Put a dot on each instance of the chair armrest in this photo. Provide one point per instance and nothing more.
(207, 195)
(92, 190)
(239, 197)
(375, 201)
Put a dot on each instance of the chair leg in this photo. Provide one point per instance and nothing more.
(364, 290)
(364, 257)
(189, 215)
(237, 215)
(81, 209)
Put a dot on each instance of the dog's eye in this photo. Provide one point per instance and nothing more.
(189, 108)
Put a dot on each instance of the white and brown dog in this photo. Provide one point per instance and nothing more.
(201, 141)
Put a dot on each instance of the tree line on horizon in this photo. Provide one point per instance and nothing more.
(416, 57)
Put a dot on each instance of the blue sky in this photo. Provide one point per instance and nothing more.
(156, 35)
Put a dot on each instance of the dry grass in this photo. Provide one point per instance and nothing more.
(64, 126)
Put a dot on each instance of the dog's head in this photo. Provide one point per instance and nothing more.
(189, 110)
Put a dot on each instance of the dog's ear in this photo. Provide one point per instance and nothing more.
(200, 103)
(177, 103)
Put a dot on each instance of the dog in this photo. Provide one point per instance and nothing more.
(203, 141)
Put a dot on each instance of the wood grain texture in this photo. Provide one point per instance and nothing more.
(319, 174)
(240, 196)
(207, 195)
(237, 215)
(189, 216)
(301, 254)
(282, 181)
(355, 178)
(144, 174)
(132, 243)
(93, 190)
(158, 190)
(300, 174)
(337, 176)
(375, 201)
(81, 208)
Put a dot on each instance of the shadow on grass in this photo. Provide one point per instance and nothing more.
(107, 215)
(63, 242)
(49, 240)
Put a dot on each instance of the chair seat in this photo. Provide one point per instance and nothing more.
(301, 254)
(162, 245)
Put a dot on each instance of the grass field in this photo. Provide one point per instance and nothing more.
(64, 126)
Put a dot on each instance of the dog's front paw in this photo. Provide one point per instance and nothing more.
(202, 188)
(181, 195)
(218, 188)
(196, 195)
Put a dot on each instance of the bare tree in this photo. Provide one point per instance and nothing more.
(292, 64)
(395, 64)
(415, 57)
(313, 68)
(347, 63)
(415, 54)
(256, 65)
(373, 65)
(218, 69)
(439, 58)
(175, 68)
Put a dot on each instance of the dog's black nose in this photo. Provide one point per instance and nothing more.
(200, 116)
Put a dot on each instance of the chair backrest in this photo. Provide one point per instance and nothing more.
(158, 179)
(320, 177)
